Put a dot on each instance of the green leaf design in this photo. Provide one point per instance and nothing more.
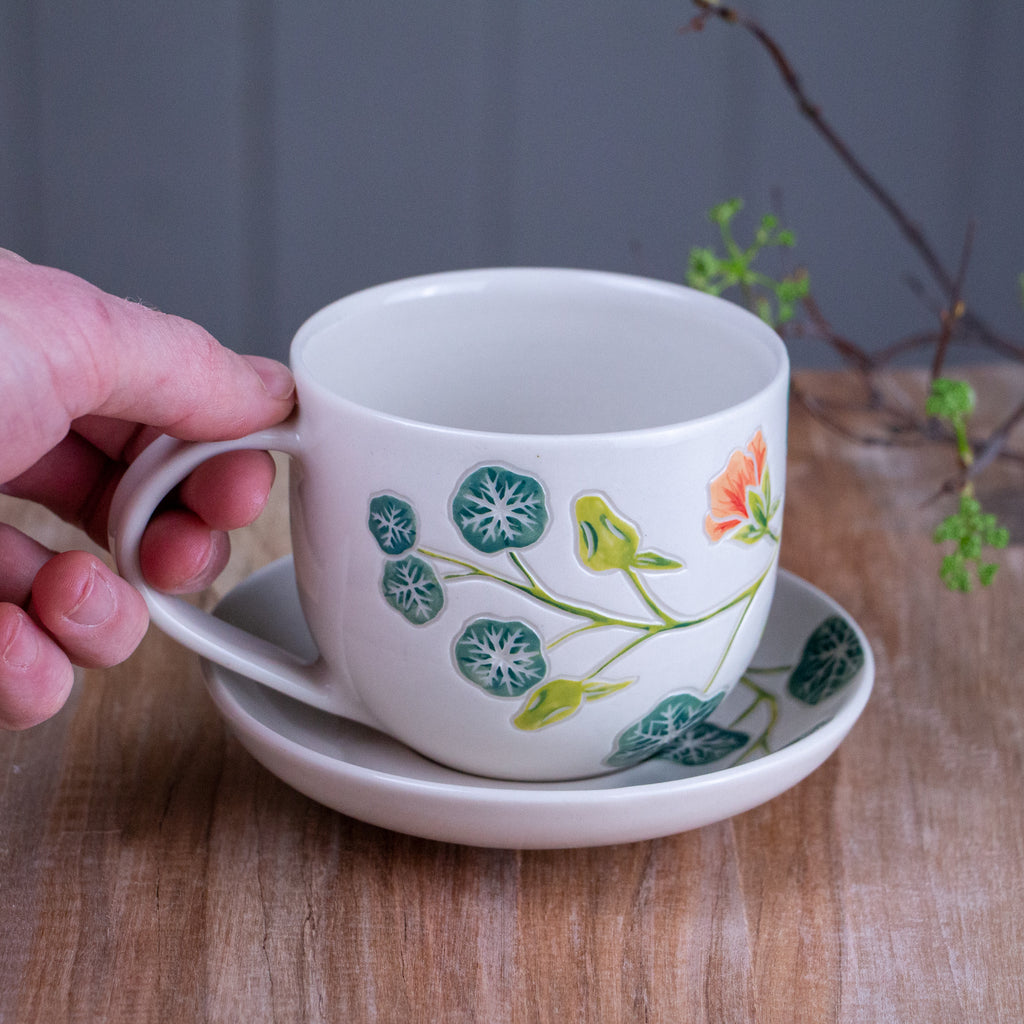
(750, 534)
(557, 700)
(757, 508)
(411, 587)
(704, 743)
(496, 508)
(502, 657)
(595, 689)
(662, 729)
(392, 522)
(651, 561)
(831, 657)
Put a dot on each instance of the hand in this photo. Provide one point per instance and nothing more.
(86, 382)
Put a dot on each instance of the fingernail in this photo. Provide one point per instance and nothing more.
(96, 604)
(216, 558)
(22, 646)
(277, 378)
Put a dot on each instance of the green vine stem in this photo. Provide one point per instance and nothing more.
(531, 588)
(598, 619)
(761, 696)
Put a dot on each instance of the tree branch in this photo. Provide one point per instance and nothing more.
(910, 230)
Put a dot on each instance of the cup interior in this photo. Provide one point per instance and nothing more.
(538, 351)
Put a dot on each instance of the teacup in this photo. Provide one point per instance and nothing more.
(535, 516)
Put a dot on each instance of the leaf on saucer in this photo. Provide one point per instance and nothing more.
(831, 657)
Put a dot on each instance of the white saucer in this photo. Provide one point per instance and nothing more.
(369, 776)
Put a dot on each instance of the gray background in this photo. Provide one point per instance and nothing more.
(243, 163)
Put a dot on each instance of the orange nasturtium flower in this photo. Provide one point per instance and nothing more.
(742, 506)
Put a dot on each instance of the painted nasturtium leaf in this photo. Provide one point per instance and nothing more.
(607, 541)
(831, 657)
(560, 698)
(496, 508)
(392, 522)
(704, 743)
(411, 587)
(500, 656)
(662, 730)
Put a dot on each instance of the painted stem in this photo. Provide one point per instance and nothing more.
(532, 589)
(647, 630)
(646, 596)
(751, 591)
(761, 696)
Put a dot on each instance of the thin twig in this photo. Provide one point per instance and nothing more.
(995, 446)
(903, 430)
(954, 313)
(910, 230)
(851, 351)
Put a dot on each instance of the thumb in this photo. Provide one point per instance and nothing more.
(72, 350)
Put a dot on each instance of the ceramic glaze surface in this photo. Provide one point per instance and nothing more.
(535, 515)
(809, 681)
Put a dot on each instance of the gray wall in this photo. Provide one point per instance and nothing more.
(244, 163)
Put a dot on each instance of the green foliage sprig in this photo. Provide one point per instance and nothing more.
(953, 401)
(774, 301)
(969, 528)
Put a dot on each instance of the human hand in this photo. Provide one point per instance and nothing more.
(87, 380)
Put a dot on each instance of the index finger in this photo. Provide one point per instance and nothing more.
(71, 349)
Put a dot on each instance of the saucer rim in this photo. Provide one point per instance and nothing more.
(555, 802)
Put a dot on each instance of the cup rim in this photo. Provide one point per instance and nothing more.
(741, 317)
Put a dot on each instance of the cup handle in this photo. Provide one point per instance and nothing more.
(163, 465)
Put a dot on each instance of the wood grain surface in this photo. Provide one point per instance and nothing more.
(150, 870)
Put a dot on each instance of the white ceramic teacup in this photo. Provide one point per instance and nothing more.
(535, 516)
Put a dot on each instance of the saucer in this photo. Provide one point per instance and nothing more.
(808, 683)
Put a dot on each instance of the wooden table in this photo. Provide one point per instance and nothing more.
(151, 870)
